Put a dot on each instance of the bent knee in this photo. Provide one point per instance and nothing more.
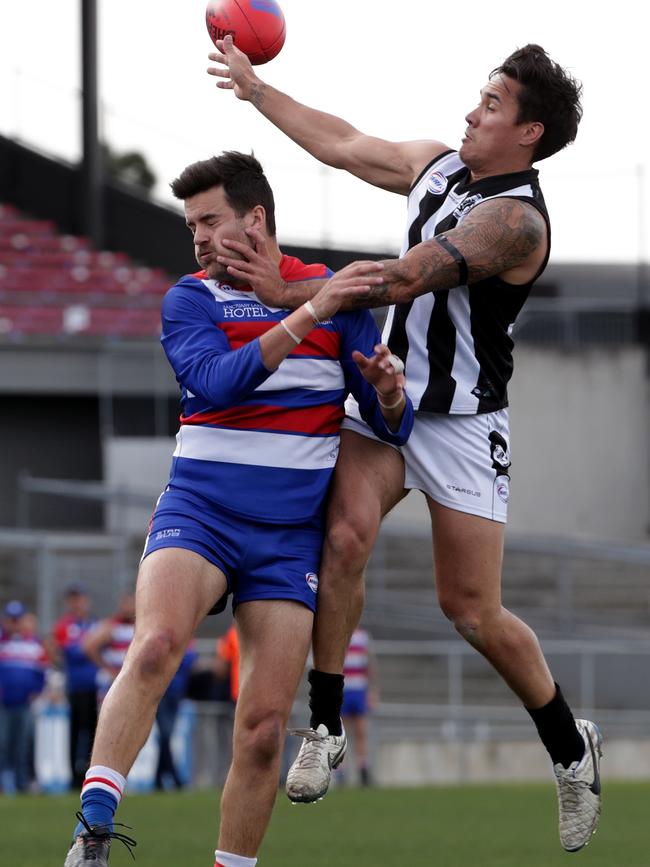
(351, 540)
(156, 653)
(261, 737)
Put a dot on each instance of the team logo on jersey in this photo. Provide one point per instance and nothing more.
(240, 310)
(312, 581)
(466, 205)
(226, 287)
(437, 183)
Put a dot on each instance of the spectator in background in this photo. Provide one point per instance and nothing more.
(80, 676)
(107, 642)
(359, 697)
(23, 661)
(166, 718)
(227, 660)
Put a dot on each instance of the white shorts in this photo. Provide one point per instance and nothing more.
(460, 461)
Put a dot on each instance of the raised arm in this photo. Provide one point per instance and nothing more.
(392, 166)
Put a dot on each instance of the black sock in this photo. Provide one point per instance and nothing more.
(325, 700)
(558, 731)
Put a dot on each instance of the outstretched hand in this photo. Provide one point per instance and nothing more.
(382, 371)
(235, 68)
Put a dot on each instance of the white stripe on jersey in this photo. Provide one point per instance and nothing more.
(418, 372)
(256, 448)
(317, 374)
(466, 367)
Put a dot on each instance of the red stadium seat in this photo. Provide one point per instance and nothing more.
(55, 284)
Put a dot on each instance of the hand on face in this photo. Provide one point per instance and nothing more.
(251, 263)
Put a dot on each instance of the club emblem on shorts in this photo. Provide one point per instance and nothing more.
(312, 581)
(437, 183)
(503, 488)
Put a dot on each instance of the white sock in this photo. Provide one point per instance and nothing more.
(100, 777)
(227, 859)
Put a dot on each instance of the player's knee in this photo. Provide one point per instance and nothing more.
(156, 653)
(350, 541)
(261, 737)
(463, 612)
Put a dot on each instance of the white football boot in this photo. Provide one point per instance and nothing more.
(309, 776)
(578, 791)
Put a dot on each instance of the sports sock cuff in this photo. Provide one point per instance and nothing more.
(558, 731)
(325, 700)
(100, 777)
(227, 859)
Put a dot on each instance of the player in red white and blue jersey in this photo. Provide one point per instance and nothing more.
(80, 676)
(23, 662)
(262, 396)
(359, 696)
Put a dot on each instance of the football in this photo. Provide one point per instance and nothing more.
(256, 26)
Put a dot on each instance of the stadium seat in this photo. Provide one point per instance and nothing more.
(53, 284)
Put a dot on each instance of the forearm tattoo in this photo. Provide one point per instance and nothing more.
(494, 237)
(257, 95)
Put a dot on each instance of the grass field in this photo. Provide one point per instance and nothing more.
(485, 826)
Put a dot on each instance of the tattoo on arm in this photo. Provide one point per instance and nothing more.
(257, 95)
(496, 236)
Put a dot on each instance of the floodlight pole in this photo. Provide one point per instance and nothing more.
(92, 174)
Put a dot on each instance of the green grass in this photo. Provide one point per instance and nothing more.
(486, 826)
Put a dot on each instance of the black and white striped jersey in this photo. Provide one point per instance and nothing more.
(456, 343)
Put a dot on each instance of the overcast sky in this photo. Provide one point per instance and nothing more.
(406, 70)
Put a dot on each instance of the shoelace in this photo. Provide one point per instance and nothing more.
(308, 759)
(102, 832)
(571, 792)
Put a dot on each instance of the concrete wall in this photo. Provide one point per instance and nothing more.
(412, 763)
(137, 465)
(580, 437)
(580, 430)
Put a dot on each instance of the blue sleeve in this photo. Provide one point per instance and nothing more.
(200, 355)
(359, 331)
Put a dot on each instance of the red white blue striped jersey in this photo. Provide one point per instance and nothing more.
(263, 443)
(356, 664)
(113, 653)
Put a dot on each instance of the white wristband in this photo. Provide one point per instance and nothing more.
(290, 332)
(390, 405)
(312, 312)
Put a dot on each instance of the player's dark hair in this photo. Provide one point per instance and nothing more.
(549, 94)
(242, 178)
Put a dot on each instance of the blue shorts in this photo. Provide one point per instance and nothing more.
(260, 561)
(355, 702)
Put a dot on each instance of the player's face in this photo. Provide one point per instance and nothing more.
(492, 138)
(210, 219)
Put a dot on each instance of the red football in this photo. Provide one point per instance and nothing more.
(256, 26)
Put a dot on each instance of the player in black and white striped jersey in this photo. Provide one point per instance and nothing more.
(478, 236)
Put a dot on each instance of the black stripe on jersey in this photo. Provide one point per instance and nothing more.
(398, 341)
(441, 349)
(494, 305)
(494, 184)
